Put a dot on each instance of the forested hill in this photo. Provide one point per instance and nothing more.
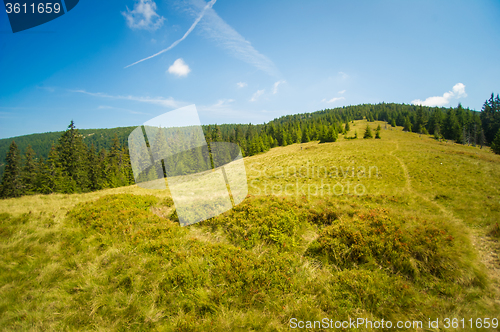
(459, 124)
(41, 143)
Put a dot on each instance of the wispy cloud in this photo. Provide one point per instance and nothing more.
(223, 102)
(160, 101)
(458, 91)
(333, 99)
(205, 8)
(257, 94)
(342, 92)
(179, 68)
(275, 86)
(343, 75)
(216, 29)
(143, 16)
(104, 107)
(241, 84)
(46, 88)
(225, 109)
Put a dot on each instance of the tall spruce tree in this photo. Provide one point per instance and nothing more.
(28, 173)
(368, 132)
(72, 154)
(11, 181)
(495, 145)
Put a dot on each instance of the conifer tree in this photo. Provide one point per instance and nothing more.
(495, 145)
(407, 126)
(42, 178)
(368, 132)
(11, 180)
(305, 136)
(347, 127)
(72, 153)
(93, 169)
(28, 173)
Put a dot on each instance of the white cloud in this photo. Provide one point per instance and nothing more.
(241, 84)
(458, 92)
(257, 94)
(207, 6)
(160, 101)
(333, 99)
(223, 102)
(179, 68)
(275, 86)
(224, 35)
(227, 38)
(143, 16)
(341, 92)
(343, 75)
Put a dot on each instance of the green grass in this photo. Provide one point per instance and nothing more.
(404, 250)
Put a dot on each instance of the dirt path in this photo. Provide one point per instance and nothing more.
(488, 248)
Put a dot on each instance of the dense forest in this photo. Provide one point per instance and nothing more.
(92, 159)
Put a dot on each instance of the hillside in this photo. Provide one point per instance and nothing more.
(402, 228)
(457, 124)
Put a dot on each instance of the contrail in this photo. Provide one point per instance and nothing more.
(208, 6)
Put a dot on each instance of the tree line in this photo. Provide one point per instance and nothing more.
(71, 166)
(81, 161)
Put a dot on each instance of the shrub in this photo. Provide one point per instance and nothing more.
(264, 220)
(124, 216)
(376, 239)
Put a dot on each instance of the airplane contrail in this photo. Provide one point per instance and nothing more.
(208, 6)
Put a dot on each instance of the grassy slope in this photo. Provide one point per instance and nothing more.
(414, 246)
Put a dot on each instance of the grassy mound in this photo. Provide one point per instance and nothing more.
(113, 264)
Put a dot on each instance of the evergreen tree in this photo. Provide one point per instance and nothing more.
(72, 153)
(11, 180)
(305, 136)
(377, 134)
(93, 169)
(368, 132)
(495, 145)
(347, 128)
(42, 178)
(393, 123)
(28, 173)
(407, 125)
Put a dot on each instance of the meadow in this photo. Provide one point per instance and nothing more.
(402, 228)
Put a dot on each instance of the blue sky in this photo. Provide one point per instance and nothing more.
(243, 61)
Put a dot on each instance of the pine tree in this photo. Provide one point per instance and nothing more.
(42, 178)
(393, 123)
(11, 181)
(72, 153)
(368, 132)
(28, 173)
(93, 169)
(495, 145)
(347, 127)
(407, 126)
(305, 136)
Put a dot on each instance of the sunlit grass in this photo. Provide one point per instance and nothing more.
(118, 260)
